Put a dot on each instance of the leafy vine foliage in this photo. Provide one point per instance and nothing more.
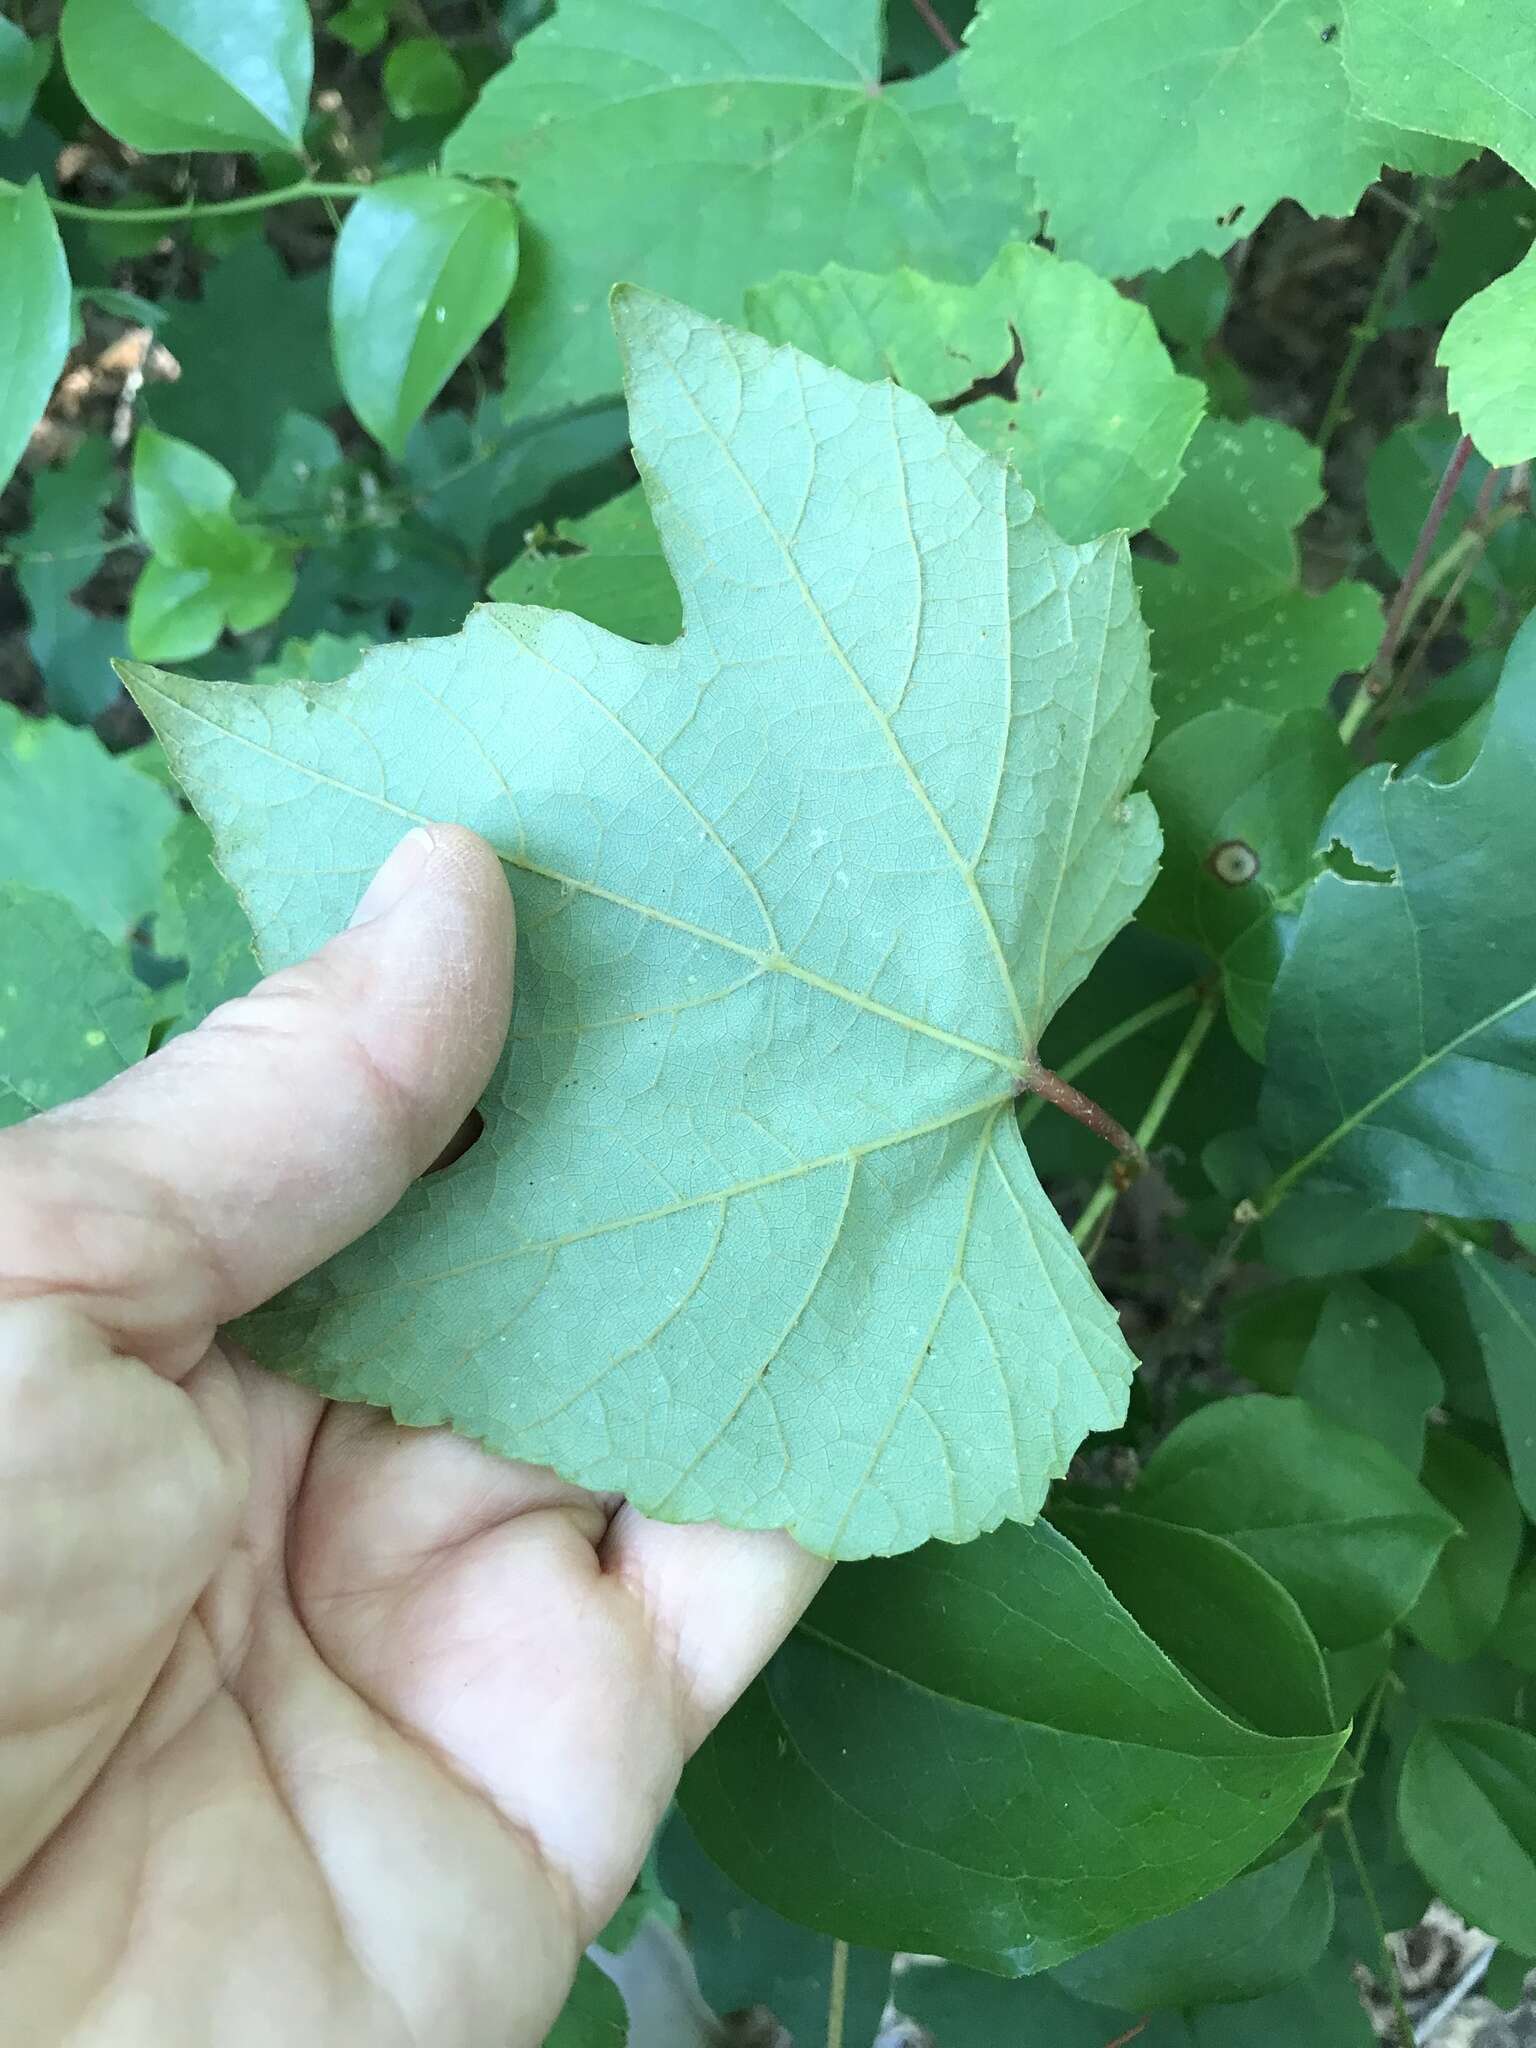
(980, 628)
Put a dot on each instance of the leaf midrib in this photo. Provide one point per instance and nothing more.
(769, 962)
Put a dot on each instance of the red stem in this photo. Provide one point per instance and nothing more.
(1052, 1088)
(925, 11)
(1140, 2028)
(1434, 519)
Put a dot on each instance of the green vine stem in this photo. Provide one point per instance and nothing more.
(1403, 2026)
(1372, 684)
(1109, 1041)
(1367, 330)
(1115, 1182)
(200, 209)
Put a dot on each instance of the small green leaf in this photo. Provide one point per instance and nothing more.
(1329, 1513)
(363, 24)
(1260, 1931)
(1500, 1300)
(34, 316)
(1465, 1593)
(746, 1955)
(1148, 142)
(1467, 1804)
(608, 568)
(1190, 301)
(853, 968)
(78, 822)
(1241, 797)
(1365, 1365)
(422, 79)
(1230, 620)
(209, 568)
(593, 2016)
(172, 75)
(1100, 419)
(773, 146)
(984, 1682)
(184, 504)
(24, 62)
(1421, 1101)
(423, 266)
(71, 1013)
(174, 614)
(1490, 366)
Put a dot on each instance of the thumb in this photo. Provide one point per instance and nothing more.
(197, 1184)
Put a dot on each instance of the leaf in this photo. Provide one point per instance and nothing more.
(423, 265)
(210, 926)
(593, 2016)
(34, 316)
(1365, 1365)
(1260, 1931)
(78, 822)
(1222, 1619)
(1335, 1518)
(361, 24)
(1500, 1301)
(1101, 417)
(71, 1013)
(1478, 236)
(1148, 142)
(1450, 68)
(171, 75)
(1189, 302)
(1241, 797)
(422, 78)
(1315, 1234)
(798, 1018)
(1465, 1593)
(1467, 1804)
(767, 143)
(210, 568)
(983, 1682)
(1413, 1084)
(24, 62)
(1514, 1637)
(746, 1955)
(63, 548)
(1230, 621)
(1491, 368)
(227, 401)
(484, 480)
(608, 568)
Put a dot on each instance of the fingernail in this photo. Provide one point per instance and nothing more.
(398, 876)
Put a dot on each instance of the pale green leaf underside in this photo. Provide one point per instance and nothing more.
(751, 1233)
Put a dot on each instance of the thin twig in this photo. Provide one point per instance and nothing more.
(1140, 2027)
(1366, 331)
(927, 12)
(1373, 683)
(1114, 1183)
(837, 1995)
(1404, 2027)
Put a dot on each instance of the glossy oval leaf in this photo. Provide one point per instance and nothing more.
(1500, 1300)
(751, 1230)
(1467, 1804)
(1262, 1930)
(1031, 1772)
(1464, 1595)
(171, 75)
(1328, 1512)
(34, 316)
(423, 265)
(1366, 1365)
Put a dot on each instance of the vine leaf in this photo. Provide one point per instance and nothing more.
(751, 1233)
(34, 316)
(768, 141)
(1415, 1084)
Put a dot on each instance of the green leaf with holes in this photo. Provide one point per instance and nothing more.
(699, 153)
(1091, 411)
(172, 75)
(423, 266)
(1229, 617)
(751, 1232)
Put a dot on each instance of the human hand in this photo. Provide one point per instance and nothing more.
(313, 1729)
